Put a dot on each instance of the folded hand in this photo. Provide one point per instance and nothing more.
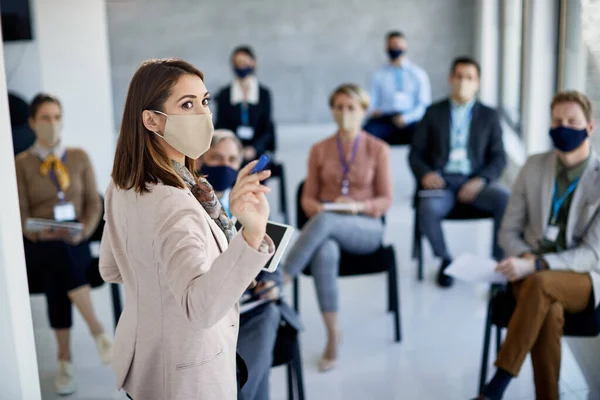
(515, 268)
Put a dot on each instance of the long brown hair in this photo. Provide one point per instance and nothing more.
(139, 158)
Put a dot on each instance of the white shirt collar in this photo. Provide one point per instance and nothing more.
(43, 152)
(237, 95)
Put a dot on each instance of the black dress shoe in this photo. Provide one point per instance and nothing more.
(444, 280)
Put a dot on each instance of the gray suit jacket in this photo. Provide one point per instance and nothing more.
(528, 212)
(431, 143)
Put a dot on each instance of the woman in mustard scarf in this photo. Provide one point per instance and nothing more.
(58, 183)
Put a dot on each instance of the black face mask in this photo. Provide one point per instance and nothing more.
(395, 53)
(221, 178)
(567, 139)
(243, 72)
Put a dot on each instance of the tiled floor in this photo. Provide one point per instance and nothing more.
(438, 357)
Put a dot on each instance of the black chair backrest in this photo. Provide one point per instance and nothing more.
(301, 218)
(583, 324)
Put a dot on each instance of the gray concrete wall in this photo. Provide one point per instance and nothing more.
(304, 47)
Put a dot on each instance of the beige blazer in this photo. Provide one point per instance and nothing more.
(176, 338)
(528, 212)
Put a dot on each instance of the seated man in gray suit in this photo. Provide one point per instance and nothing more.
(457, 155)
(258, 334)
(551, 231)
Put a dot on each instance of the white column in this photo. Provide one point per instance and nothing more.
(539, 78)
(74, 64)
(487, 49)
(511, 50)
(18, 363)
(574, 70)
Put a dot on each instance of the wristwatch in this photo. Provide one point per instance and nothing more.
(539, 264)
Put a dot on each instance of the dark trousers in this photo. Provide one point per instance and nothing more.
(432, 211)
(383, 128)
(59, 268)
(256, 341)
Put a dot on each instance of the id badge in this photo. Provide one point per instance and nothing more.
(458, 155)
(402, 101)
(245, 132)
(64, 212)
(552, 233)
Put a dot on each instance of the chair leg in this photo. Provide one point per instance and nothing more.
(295, 294)
(390, 289)
(486, 349)
(290, 381)
(420, 259)
(298, 369)
(283, 196)
(418, 247)
(498, 339)
(395, 300)
(116, 302)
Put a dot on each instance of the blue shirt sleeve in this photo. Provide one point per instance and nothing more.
(423, 99)
(375, 92)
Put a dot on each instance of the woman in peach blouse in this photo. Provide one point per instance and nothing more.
(350, 167)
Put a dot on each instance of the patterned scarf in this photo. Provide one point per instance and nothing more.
(205, 194)
(54, 164)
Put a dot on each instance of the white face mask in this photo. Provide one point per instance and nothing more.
(465, 89)
(189, 134)
(347, 121)
(48, 133)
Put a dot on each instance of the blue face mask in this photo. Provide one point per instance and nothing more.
(567, 139)
(395, 53)
(221, 178)
(243, 72)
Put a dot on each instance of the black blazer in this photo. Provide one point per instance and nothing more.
(229, 116)
(431, 142)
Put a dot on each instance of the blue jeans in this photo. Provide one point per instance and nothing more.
(432, 211)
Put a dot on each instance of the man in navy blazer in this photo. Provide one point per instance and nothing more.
(457, 156)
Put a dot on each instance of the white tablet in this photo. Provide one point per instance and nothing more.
(281, 235)
(339, 207)
(37, 224)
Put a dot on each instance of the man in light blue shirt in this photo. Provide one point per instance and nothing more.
(400, 94)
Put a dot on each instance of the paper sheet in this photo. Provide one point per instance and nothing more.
(472, 268)
(338, 207)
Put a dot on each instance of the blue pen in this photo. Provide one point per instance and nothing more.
(262, 164)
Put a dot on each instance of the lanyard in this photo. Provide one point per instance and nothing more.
(557, 202)
(245, 117)
(460, 137)
(346, 165)
(54, 179)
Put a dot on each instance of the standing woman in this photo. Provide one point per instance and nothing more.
(350, 167)
(56, 182)
(169, 241)
(244, 106)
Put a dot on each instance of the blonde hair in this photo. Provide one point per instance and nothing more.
(573, 96)
(352, 90)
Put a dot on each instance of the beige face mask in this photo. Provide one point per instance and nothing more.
(347, 121)
(188, 134)
(48, 133)
(464, 89)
